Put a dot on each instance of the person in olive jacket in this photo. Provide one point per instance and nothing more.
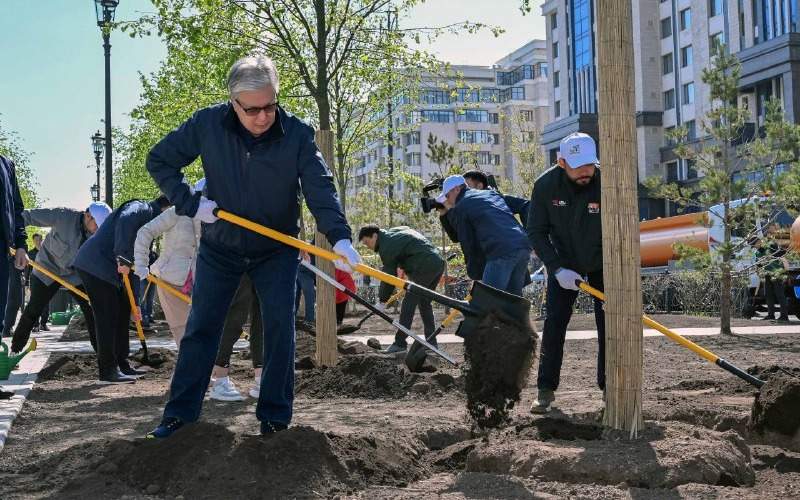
(421, 261)
(565, 232)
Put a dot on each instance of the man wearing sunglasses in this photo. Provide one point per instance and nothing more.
(256, 157)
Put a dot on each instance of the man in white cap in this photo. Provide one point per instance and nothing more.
(494, 244)
(69, 229)
(565, 232)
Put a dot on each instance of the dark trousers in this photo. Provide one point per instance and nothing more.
(410, 303)
(16, 292)
(306, 284)
(773, 290)
(218, 276)
(559, 311)
(41, 295)
(244, 302)
(45, 317)
(341, 308)
(112, 315)
(4, 278)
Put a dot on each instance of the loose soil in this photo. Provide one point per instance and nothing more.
(77, 439)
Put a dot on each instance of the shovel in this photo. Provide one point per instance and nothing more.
(705, 354)
(139, 331)
(417, 354)
(56, 278)
(485, 299)
(348, 329)
(364, 302)
(168, 288)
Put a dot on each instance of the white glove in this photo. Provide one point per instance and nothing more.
(142, 272)
(205, 212)
(380, 306)
(567, 278)
(351, 257)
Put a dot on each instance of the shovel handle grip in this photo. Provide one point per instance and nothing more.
(312, 249)
(134, 308)
(56, 278)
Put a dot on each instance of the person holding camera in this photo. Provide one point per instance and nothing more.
(494, 244)
(566, 233)
(402, 247)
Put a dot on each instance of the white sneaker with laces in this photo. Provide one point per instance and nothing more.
(225, 390)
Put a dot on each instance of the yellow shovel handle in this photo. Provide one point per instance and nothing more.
(134, 307)
(312, 249)
(453, 314)
(395, 296)
(708, 355)
(56, 278)
(168, 288)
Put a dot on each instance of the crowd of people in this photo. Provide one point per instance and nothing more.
(257, 158)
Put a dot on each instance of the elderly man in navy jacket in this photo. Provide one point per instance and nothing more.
(13, 232)
(488, 233)
(256, 158)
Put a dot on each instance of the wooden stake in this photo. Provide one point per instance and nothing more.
(326, 298)
(620, 214)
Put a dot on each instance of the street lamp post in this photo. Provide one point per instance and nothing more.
(95, 191)
(98, 141)
(104, 9)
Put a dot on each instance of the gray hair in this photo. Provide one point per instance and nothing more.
(252, 73)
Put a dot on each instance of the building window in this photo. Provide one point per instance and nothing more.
(714, 8)
(669, 99)
(556, 81)
(432, 96)
(526, 115)
(495, 138)
(412, 138)
(473, 115)
(691, 169)
(436, 116)
(666, 27)
(691, 130)
(478, 158)
(672, 171)
(668, 139)
(686, 19)
(688, 93)
(666, 64)
(775, 18)
(557, 108)
(583, 85)
(413, 159)
(494, 118)
(555, 50)
(553, 21)
(716, 42)
(686, 56)
(474, 137)
(528, 136)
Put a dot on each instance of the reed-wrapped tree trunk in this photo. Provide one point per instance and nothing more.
(326, 298)
(620, 215)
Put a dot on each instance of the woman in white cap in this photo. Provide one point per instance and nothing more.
(69, 230)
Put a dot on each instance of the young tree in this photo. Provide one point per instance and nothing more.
(13, 150)
(735, 174)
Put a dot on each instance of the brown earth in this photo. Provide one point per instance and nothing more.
(76, 439)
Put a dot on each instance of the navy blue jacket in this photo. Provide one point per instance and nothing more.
(11, 207)
(115, 237)
(255, 178)
(486, 228)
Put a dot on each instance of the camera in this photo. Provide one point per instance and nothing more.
(426, 201)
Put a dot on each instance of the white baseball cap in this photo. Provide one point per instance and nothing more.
(450, 183)
(578, 149)
(99, 211)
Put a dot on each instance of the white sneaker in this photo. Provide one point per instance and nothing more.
(255, 391)
(225, 390)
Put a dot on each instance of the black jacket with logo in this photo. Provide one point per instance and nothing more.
(564, 223)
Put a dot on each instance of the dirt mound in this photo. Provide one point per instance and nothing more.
(777, 406)
(83, 366)
(371, 376)
(498, 357)
(206, 460)
(666, 455)
(306, 346)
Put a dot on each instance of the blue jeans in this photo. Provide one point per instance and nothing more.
(216, 280)
(306, 283)
(146, 303)
(508, 272)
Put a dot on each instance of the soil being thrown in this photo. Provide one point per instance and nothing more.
(498, 357)
(777, 406)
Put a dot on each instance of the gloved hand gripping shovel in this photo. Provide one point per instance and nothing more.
(705, 354)
(348, 329)
(485, 299)
(364, 302)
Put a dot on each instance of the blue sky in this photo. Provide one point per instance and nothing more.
(51, 74)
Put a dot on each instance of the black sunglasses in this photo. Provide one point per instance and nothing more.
(256, 110)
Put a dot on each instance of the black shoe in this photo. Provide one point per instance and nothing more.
(116, 378)
(268, 427)
(35, 329)
(783, 319)
(166, 428)
(769, 318)
(130, 371)
(44, 328)
(6, 394)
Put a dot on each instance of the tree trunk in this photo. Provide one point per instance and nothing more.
(726, 280)
(321, 98)
(341, 178)
(620, 216)
(326, 299)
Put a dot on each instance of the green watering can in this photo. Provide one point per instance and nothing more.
(7, 363)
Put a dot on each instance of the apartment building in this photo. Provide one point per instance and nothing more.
(486, 112)
(673, 41)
